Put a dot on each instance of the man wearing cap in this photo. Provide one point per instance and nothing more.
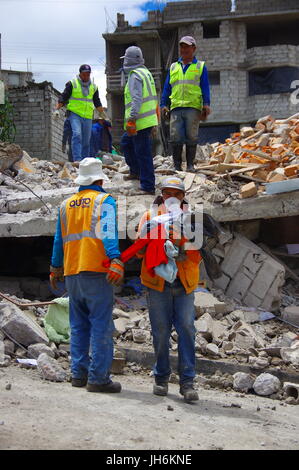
(140, 118)
(81, 96)
(187, 91)
(86, 239)
(172, 304)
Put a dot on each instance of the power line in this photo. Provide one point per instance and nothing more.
(44, 63)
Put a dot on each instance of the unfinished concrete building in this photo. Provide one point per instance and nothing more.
(251, 52)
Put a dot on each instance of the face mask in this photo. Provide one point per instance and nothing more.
(173, 204)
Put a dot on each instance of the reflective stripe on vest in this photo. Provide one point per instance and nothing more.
(147, 116)
(80, 104)
(185, 87)
(94, 220)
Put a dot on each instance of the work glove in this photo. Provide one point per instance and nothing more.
(165, 112)
(56, 274)
(115, 272)
(131, 128)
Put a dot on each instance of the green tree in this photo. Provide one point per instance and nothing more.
(7, 125)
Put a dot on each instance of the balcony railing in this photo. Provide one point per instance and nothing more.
(114, 80)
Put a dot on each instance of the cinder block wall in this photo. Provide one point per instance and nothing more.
(36, 131)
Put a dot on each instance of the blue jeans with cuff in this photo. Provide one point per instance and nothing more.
(91, 304)
(173, 307)
(81, 133)
(137, 150)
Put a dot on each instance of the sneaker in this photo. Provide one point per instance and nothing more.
(79, 382)
(188, 392)
(160, 389)
(111, 387)
(131, 177)
(190, 168)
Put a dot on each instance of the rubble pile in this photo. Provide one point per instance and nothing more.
(267, 153)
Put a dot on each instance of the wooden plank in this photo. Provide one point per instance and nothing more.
(244, 170)
(188, 181)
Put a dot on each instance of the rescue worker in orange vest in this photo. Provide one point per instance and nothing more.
(172, 304)
(86, 236)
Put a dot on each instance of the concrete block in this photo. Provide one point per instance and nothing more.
(291, 390)
(20, 326)
(239, 286)
(248, 190)
(206, 302)
(252, 300)
(266, 277)
(266, 384)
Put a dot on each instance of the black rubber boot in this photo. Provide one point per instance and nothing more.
(160, 388)
(190, 157)
(177, 156)
(188, 392)
(112, 387)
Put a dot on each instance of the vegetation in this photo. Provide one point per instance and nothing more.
(7, 126)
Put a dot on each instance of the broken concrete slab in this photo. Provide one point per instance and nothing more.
(20, 326)
(256, 278)
(290, 355)
(206, 303)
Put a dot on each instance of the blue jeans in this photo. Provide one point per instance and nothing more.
(137, 151)
(91, 303)
(184, 126)
(81, 132)
(173, 307)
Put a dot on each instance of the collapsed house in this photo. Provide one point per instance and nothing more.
(249, 314)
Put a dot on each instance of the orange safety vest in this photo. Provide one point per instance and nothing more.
(188, 270)
(80, 226)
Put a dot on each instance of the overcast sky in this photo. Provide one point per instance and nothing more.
(52, 38)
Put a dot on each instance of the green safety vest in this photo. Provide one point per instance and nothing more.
(185, 87)
(147, 116)
(80, 104)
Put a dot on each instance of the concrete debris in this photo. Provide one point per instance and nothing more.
(9, 154)
(242, 382)
(34, 350)
(20, 326)
(49, 369)
(291, 355)
(266, 384)
(291, 390)
(291, 314)
(207, 303)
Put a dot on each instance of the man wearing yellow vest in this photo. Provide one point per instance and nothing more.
(172, 303)
(140, 117)
(186, 91)
(86, 236)
(81, 96)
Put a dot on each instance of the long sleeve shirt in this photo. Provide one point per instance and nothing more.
(135, 84)
(67, 93)
(109, 232)
(204, 85)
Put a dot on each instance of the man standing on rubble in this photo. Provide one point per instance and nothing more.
(86, 236)
(140, 118)
(172, 303)
(187, 90)
(81, 96)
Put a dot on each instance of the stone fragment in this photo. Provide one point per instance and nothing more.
(9, 154)
(291, 170)
(121, 325)
(34, 350)
(201, 344)
(290, 355)
(291, 390)
(9, 347)
(140, 336)
(211, 330)
(266, 384)
(117, 366)
(243, 382)
(50, 369)
(20, 326)
(248, 190)
(212, 349)
(258, 362)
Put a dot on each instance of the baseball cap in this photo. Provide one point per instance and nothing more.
(173, 182)
(188, 40)
(85, 68)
